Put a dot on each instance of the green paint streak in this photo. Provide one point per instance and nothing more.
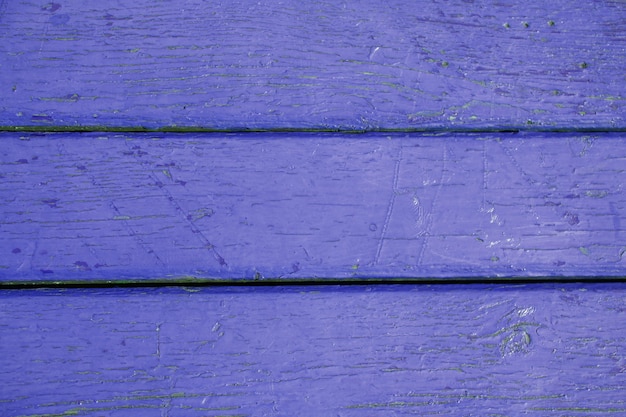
(609, 98)
(72, 412)
(236, 407)
(488, 397)
(232, 415)
(85, 410)
(395, 404)
(395, 86)
(394, 369)
(67, 99)
(581, 409)
(163, 396)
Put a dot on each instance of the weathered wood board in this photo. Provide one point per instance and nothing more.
(550, 350)
(315, 64)
(496, 151)
(300, 206)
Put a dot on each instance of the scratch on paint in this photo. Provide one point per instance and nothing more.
(485, 179)
(392, 199)
(190, 220)
(429, 220)
(133, 233)
(373, 51)
(158, 340)
(185, 215)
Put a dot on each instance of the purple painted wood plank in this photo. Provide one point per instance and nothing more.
(549, 350)
(292, 206)
(322, 64)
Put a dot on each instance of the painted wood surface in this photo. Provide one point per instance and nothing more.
(549, 350)
(117, 207)
(315, 64)
(299, 206)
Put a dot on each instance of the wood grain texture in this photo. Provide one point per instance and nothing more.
(298, 206)
(86, 208)
(550, 350)
(318, 64)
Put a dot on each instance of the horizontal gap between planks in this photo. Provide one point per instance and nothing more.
(193, 129)
(191, 282)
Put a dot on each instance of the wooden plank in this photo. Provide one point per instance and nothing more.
(315, 64)
(79, 207)
(550, 350)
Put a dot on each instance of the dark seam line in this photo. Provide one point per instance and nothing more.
(16, 285)
(179, 129)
